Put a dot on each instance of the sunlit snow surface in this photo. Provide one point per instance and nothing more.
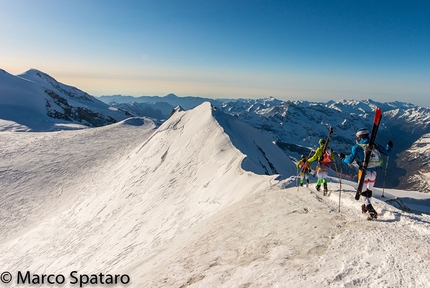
(189, 204)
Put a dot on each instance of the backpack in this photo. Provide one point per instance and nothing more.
(327, 156)
(304, 166)
(375, 157)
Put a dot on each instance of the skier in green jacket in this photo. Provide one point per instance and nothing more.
(324, 159)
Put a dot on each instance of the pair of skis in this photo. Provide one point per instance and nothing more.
(325, 193)
(326, 144)
(363, 168)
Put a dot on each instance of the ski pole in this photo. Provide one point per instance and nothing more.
(385, 175)
(340, 192)
(340, 180)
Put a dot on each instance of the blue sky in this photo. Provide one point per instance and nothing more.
(310, 50)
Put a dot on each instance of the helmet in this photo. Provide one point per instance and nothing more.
(362, 133)
(303, 156)
(321, 142)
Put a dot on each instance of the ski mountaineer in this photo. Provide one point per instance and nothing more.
(304, 170)
(357, 151)
(323, 167)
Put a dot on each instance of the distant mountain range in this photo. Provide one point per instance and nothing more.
(34, 101)
(151, 106)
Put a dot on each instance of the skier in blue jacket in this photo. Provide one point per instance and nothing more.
(357, 152)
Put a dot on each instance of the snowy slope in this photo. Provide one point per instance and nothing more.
(45, 80)
(416, 163)
(183, 206)
(205, 176)
(263, 157)
(41, 172)
(21, 100)
(35, 101)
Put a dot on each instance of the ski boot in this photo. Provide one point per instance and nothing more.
(307, 183)
(325, 189)
(318, 187)
(363, 209)
(373, 215)
(367, 193)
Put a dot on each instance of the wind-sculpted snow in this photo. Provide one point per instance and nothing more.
(183, 173)
(262, 156)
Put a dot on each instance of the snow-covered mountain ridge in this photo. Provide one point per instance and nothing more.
(34, 101)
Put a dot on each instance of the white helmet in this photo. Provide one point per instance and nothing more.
(362, 133)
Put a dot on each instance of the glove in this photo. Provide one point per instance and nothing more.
(341, 156)
(390, 144)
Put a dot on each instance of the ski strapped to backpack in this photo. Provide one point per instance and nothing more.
(305, 163)
(325, 145)
(368, 152)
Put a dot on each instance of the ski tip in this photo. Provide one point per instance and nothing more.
(378, 114)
